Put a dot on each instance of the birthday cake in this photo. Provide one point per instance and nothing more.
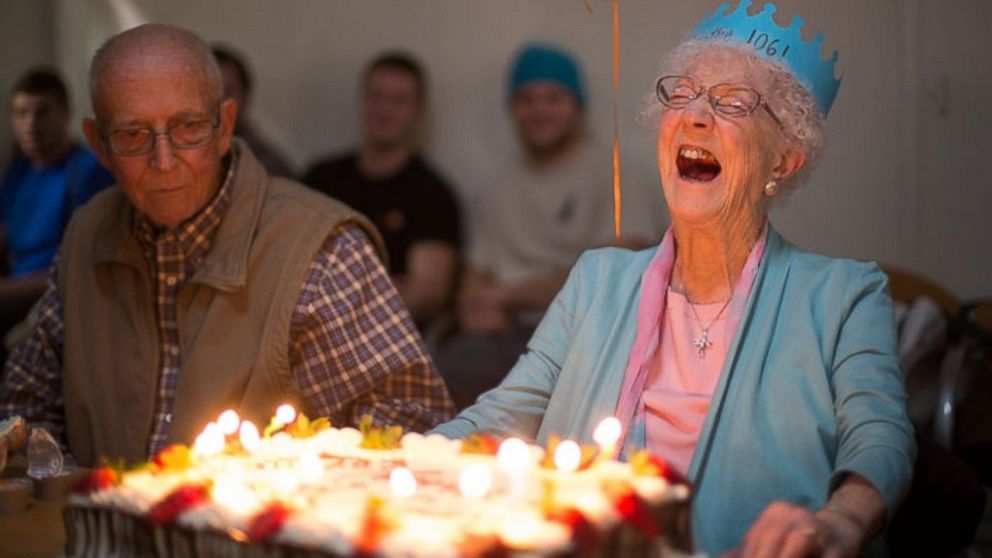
(304, 489)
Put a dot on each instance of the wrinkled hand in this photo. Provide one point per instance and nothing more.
(784, 530)
(483, 310)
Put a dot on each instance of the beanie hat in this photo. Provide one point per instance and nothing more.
(538, 62)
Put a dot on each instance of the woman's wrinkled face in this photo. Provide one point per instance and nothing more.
(714, 167)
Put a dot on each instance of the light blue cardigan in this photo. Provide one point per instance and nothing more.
(811, 388)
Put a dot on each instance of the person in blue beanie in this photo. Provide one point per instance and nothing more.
(528, 223)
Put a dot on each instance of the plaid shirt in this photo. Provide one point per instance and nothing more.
(173, 256)
(349, 358)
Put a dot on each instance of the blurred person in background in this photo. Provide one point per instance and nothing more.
(392, 183)
(240, 85)
(49, 177)
(529, 222)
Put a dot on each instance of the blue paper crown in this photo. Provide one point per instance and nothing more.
(782, 45)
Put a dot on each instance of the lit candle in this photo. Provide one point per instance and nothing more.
(606, 435)
(402, 483)
(209, 442)
(513, 457)
(311, 467)
(475, 480)
(285, 414)
(249, 436)
(568, 455)
(228, 422)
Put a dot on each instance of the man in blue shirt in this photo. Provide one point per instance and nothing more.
(49, 176)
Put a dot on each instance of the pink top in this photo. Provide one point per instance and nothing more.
(681, 382)
(678, 401)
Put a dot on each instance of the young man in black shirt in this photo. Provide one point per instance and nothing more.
(388, 180)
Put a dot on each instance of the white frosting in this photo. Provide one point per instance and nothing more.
(214, 516)
(305, 530)
(528, 530)
(423, 537)
(652, 489)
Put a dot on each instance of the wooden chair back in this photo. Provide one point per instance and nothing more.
(906, 286)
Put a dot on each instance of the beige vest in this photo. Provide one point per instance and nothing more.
(233, 314)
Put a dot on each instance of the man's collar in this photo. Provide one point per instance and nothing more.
(226, 266)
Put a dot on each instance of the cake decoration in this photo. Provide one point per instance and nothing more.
(379, 437)
(340, 492)
(97, 479)
(268, 522)
(481, 444)
(178, 501)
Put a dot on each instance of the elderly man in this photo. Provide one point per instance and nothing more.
(203, 283)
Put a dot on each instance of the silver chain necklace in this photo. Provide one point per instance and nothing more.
(703, 341)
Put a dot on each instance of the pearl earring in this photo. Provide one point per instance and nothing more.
(771, 188)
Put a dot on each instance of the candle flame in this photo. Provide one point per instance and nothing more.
(568, 455)
(311, 467)
(513, 455)
(285, 414)
(475, 480)
(228, 422)
(607, 432)
(248, 434)
(210, 441)
(402, 482)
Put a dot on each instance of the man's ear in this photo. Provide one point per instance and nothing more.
(789, 163)
(92, 132)
(228, 116)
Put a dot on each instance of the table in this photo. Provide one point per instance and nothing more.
(36, 532)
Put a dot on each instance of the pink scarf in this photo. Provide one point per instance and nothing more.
(650, 312)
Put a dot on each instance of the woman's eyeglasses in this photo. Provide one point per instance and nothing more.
(729, 99)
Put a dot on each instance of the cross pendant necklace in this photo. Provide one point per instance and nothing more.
(703, 342)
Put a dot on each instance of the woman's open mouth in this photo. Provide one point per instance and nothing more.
(697, 164)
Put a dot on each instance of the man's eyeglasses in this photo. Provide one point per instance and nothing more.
(140, 140)
(729, 99)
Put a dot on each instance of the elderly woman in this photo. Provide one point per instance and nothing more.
(765, 373)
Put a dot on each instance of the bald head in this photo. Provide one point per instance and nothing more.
(150, 83)
(153, 47)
